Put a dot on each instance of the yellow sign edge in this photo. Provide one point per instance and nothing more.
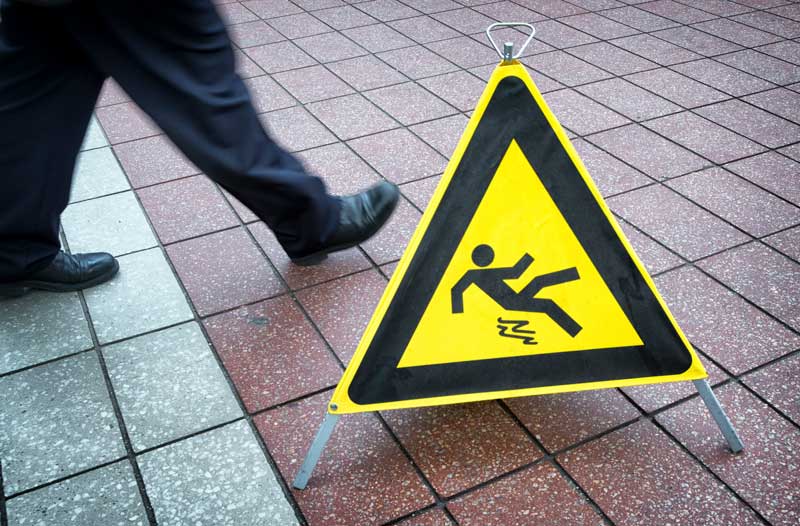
(341, 401)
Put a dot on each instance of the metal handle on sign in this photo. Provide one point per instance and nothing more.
(508, 47)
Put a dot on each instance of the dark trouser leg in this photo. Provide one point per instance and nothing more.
(47, 93)
(175, 60)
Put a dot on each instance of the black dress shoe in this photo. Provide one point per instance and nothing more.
(66, 273)
(361, 217)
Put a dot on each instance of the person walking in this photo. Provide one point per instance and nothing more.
(175, 60)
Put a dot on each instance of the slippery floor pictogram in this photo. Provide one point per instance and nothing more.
(492, 281)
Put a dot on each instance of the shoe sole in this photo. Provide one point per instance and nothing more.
(318, 257)
(19, 289)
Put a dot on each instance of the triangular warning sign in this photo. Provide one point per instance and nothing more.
(518, 281)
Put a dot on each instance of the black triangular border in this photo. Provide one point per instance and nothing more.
(512, 113)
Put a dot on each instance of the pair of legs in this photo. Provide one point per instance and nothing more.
(176, 62)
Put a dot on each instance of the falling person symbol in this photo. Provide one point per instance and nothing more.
(492, 281)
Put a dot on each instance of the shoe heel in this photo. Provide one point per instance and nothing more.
(12, 291)
(308, 261)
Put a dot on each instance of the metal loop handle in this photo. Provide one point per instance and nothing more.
(507, 53)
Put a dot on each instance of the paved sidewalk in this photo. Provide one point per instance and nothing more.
(187, 390)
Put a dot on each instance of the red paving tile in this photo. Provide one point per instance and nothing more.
(754, 123)
(125, 122)
(410, 103)
(787, 242)
(564, 68)
(272, 353)
(678, 88)
(390, 243)
(763, 276)
(419, 192)
(342, 308)
(779, 384)
(417, 62)
(771, 456)
(216, 280)
(638, 476)
(648, 152)
(676, 222)
(536, 495)
(362, 478)
(611, 175)
(153, 160)
(564, 419)
(721, 323)
(628, 99)
(417, 160)
(773, 172)
(312, 84)
(611, 58)
(653, 255)
(460, 446)
(336, 265)
(581, 114)
(442, 134)
(341, 169)
(186, 208)
(430, 518)
(739, 202)
(654, 397)
(296, 129)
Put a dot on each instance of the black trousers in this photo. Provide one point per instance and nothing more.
(175, 60)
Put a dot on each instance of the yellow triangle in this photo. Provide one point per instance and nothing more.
(517, 217)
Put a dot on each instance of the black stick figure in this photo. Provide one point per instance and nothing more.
(492, 282)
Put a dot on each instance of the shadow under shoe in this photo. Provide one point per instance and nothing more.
(66, 273)
(362, 216)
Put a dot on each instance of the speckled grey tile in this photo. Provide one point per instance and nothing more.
(792, 151)
(704, 137)
(104, 497)
(772, 171)
(351, 116)
(787, 242)
(95, 138)
(677, 88)
(219, 478)
(97, 173)
(722, 77)
(650, 153)
(754, 123)
(144, 296)
(168, 385)
(298, 25)
(735, 32)
(417, 161)
(39, 327)
(267, 95)
(628, 99)
(56, 420)
(788, 50)
(675, 222)
(344, 17)
(722, 324)
(115, 224)
(770, 23)
(386, 10)
(251, 34)
(737, 201)
(410, 103)
(763, 276)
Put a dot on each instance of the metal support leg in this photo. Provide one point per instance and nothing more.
(719, 415)
(314, 452)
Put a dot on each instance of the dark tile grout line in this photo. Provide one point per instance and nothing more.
(67, 477)
(123, 430)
